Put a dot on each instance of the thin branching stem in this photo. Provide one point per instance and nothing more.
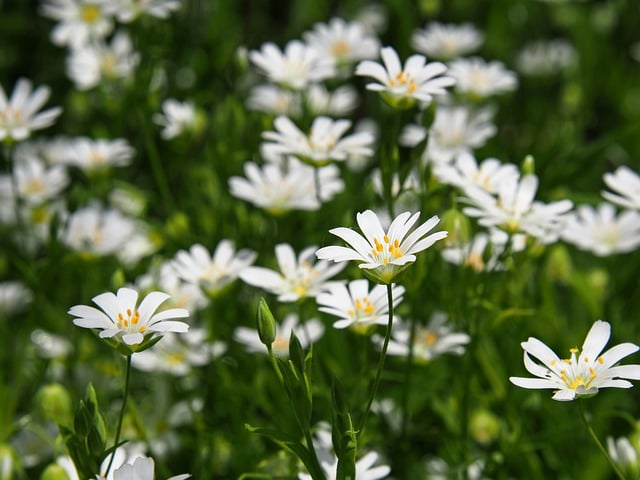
(125, 395)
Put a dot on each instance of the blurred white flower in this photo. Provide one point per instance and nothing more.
(345, 42)
(139, 245)
(624, 454)
(214, 272)
(92, 64)
(14, 298)
(320, 101)
(323, 144)
(600, 231)
(37, 183)
(480, 254)
(80, 21)
(366, 468)
(308, 333)
(383, 255)
(95, 154)
(298, 277)
(50, 345)
(465, 173)
(274, 100)
(183, 295)
(545, 58)
(177, 118)
(138, 467)
(19, 114)
(447, 41)
(402, 87)
(433, 340)
(53, 151)
(583, 375)
(356, 306)
(122, 319)
(295, 67)
(626, 185)
(129, 10)
(476, 77)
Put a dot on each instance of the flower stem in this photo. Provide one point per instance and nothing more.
(383, 356)
(127, 377)
(595, 438)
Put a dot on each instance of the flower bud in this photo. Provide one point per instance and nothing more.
(54, 472)
(458, 226)
(528, 165)
(484, 427)
(266, 324)
(55, 402)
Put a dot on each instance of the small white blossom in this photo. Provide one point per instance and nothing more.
(345, 42)
(477, 77)
(37, 183)
(95, 154)
(465, 173)
(129, 10)
(176, 118)
(545, 58)
(320, 101)
(80, 21)
(626, 185)
(14, 298)
(447, 41)
(274, 100)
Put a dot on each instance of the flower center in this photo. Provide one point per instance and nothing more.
(11, 118)
(340, 48)
(579, 374)
(34, 186)
(425, 338)
(89, 13)
(129, 321)
(386, 251)
(475, 261)
(404, 79)
(362, 308)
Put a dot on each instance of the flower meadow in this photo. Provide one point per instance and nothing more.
(319, 240)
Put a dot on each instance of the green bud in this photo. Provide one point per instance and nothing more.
(484, 427)
(528, 165)
(266, 323)
(54, 472)
(598, 280)
(55, 402)
(9, 463)
(458, 227)
(559, 266)
(82, 421)
(177, 226)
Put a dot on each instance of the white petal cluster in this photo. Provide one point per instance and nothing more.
(176, 118)
(79, 21)
(465, 173)
(447, 41)
(345, 42)
(476, 77)
(625, 184)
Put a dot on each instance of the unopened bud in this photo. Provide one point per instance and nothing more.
(266, 324)
(458, 227)
(54, 472)
(55, 402)
(528, 165)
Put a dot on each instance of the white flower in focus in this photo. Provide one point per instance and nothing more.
(320, 101)
(366, 469)
(92, 64)
(274, 100)
(298, 277)
(178, 354)
(402, 87)
(38, 183)
(296, 67)
(356, 306)
(19, 114)
(626, 185)
(177, 118)
(127, 11)
(80, 21)
(477, 77)
(546, 58)
(214, 272)
(458, 130)
(465, 173)
(323, 144)
(514, 209)
(345, 42)
(278, 189)
(600, 231)
(122, 319)
(14, 298)
(580, 375)
(430, 341)
(307, 333)
(447, 41)
(89, 154)
(382, 255)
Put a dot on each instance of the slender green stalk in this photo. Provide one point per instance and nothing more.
(595, 438)
(275, 366)
(127, 378)
(383, 356)
(156, 166)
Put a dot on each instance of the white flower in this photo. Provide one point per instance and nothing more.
(212, 272)
(465, 173)
(14, 297)
(545, 58)
(514, 209)
(477, 77)
(383, 255)
(356, 306)
(474, 254)
(458, 130)
(430, 341)
(320, 101)
(91, 64)
(38, 183)
(142, 468)
(81, 21)
(19, 114)
(346, 42)
(54, 151)
(298, 277)
(138, 246)
(176, 118)
(624, 454)
(402, 87)
(123, 320)
(583, 375)
(178, 354)
(323, 144)
(50, 345)
(129, 10)
(183, 294)
(626, 185)
(274, 100)
(446, 41)
(598, 230)
(296, 67)
(278, 189)
(365, 469)
(307, 333)
(89, 154)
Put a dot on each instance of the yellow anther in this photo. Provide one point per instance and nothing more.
(412, 87)
(574, 350)
(600, 360)
(552, 362)
(142, 329)
(586, 359)
(386, 239)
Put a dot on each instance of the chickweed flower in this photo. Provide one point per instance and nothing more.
(121, 319)
(626, 185)
(481, 79)
(401, 87)
(584, 372)
(177, 118)
(80, 21)
(447, 41)
(19, 114)
(382, 255)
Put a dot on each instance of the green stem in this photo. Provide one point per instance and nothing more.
(595, 438)
(156, 166)
(274, 364)
(127, 377)
(383, 356)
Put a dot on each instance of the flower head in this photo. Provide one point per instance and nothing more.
(177, 118)
(476, 77)
(447, 41)
(584, 372)
(19, 114)
(382, 254)
(626, 185)
(402, 87)
(80, 21)
(126, 322)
